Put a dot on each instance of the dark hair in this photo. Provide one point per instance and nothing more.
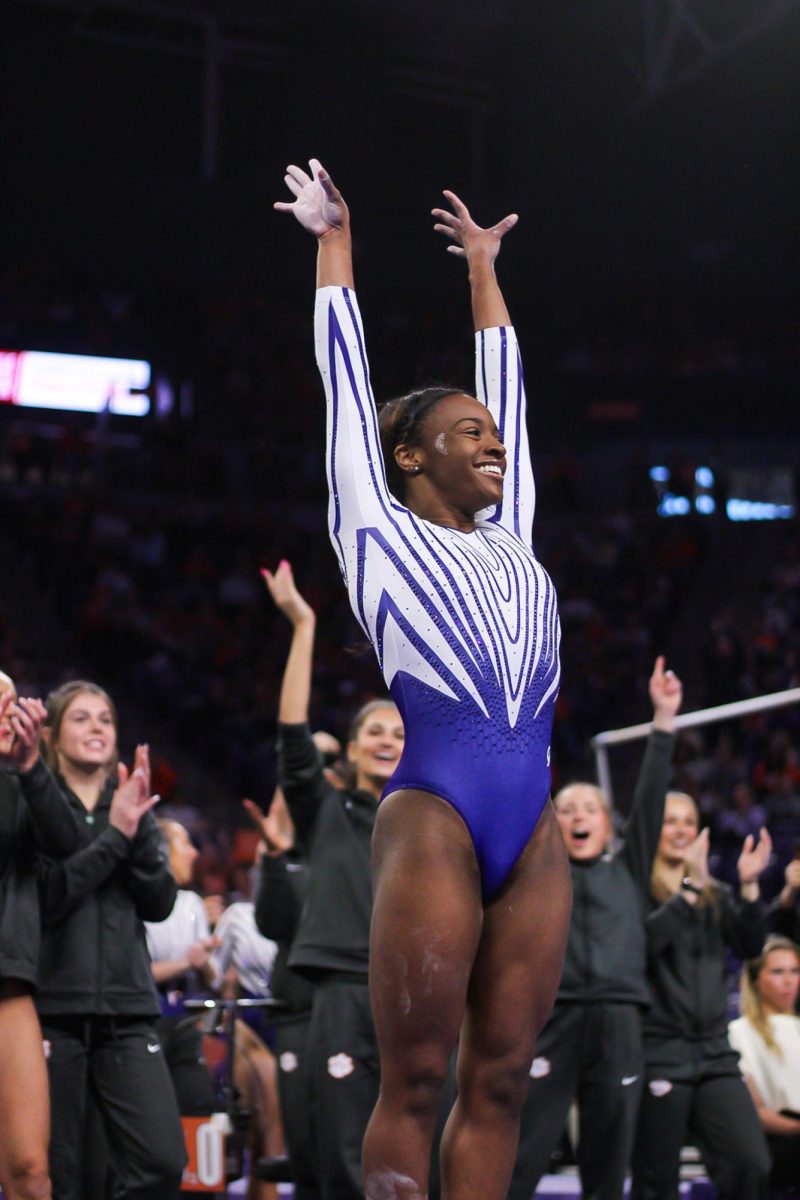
(400, 424)
(365, 712)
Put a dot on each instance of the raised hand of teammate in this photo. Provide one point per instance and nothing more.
(132, 798)
(753, 861)
(275, 826)
(283, 590)
(666, 696)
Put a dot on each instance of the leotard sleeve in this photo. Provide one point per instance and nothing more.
(359, 496)
(500, 386)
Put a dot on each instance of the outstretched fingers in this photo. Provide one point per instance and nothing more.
(502, 227)
(322, 177)
(460, 208)
(296, 178)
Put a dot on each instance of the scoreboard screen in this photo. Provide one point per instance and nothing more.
(74, 382)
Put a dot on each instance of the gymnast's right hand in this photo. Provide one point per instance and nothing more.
(318, 205)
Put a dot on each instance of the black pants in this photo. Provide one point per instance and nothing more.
(345, 1080)
(182, 1042)
(118, 1060)
(785, 1161)
(291, 1051)
(591, 1053)
(715, 1114)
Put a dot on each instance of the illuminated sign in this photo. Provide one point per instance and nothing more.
(74, 382)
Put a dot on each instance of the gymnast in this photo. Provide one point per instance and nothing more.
(430, 515)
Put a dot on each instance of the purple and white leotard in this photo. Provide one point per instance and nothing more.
(465, 625)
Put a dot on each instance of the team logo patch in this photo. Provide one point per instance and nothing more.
(340, 1066)
(659, 1087)
(288, 1062)
(47, 1046)
(540, 1067)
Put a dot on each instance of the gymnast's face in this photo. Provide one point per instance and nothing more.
(584, 821)
(460, 453)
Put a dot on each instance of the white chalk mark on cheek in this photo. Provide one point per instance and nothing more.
(439, 444)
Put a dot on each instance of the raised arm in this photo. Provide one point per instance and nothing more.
(647, 812)
(359, 496)
(498, 368)
(296, 682)
(300, 768)
(480, 248)
(320, 209)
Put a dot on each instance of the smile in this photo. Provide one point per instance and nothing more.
(490, 469)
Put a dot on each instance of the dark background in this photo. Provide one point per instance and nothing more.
(528, 106)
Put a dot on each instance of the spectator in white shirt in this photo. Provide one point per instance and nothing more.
(767, 1037)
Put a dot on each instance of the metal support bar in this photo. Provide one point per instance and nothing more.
(703, 716)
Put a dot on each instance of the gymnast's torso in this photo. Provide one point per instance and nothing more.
(464, 624)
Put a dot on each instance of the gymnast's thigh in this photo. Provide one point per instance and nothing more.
(426, 926)
(24, 1100)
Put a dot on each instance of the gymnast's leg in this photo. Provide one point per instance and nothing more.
(511, 992)
(24, 1100)
(426, 927)
(435, 954)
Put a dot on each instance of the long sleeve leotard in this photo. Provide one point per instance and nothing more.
(465, 625)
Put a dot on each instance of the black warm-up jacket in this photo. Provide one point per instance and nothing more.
(94, 959)
(34, 819)
(686, 1029)
(334, 834)
(606, 952)
(282, 888)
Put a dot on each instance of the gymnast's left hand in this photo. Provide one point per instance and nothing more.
(317, 204)
(468, 239)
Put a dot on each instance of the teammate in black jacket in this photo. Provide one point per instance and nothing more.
(282, 888)
(97, 1000)
(34, 818)
(694, 1086)
(590, 1049)
(331, 946)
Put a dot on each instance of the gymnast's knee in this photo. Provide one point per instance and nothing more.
(497, 1088)
(29, 1179)
(416, 1083)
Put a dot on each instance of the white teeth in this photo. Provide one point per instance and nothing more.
(490, 469)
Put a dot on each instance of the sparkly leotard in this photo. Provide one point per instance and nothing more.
(465, 625)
